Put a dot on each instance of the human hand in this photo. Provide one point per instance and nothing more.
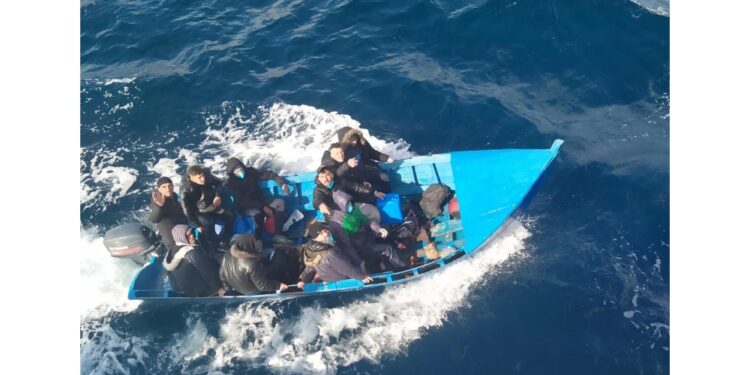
(158, 198)
(324, 209)
(390, 160)
(353, 162)
(379, 195)
(367, 280)
(217, 201)
(283, 287)
(301, 285)
(221, 292)
(285, 189)
(383, 233)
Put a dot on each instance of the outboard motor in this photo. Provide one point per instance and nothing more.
(133, 241)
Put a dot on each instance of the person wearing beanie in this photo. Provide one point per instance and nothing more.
(245, 270)
(243, 184)
(324, 259)
(191, 270)
(166, 211)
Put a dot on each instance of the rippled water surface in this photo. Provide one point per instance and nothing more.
(579, 285)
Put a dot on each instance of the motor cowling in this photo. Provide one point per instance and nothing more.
(132, 241)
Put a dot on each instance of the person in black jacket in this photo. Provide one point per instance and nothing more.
(246, 270)
(202, 204)
(325, 184)
(334, 159)
(166, 211)
(191, 270)
(362, 160)
(248, 196)
(325, 260)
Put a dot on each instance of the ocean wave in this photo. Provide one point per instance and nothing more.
(659, 7)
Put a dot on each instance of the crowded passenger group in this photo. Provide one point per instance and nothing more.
(226, 237)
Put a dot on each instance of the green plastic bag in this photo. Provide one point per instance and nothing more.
(353, 221)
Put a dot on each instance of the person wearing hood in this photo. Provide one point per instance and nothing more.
(166, 211)
(191, 270)
(242, 182)
(202, 204)
(355, 228)
(362, 159)
(325, 259)
(245, 269)
(326, 182)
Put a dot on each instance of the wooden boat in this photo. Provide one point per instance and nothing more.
(490, 186)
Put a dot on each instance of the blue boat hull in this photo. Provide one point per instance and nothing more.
(490, 185)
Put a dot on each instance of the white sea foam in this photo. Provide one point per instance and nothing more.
(290, 138)
(171, 167)
(118, 80)
(320, 340)
(105, 175)
(125, 107)
(660, 7)
(106, 350)
(104, 280)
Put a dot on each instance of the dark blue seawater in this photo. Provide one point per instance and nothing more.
(580, 285)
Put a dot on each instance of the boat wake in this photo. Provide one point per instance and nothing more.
(660, 7)
(315, 339)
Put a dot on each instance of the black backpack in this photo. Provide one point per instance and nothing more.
(433, 199)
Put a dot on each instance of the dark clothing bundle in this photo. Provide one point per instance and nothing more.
(434, 198)
(244, 269)
(245, 191)
(327, 262)
(166, 217)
